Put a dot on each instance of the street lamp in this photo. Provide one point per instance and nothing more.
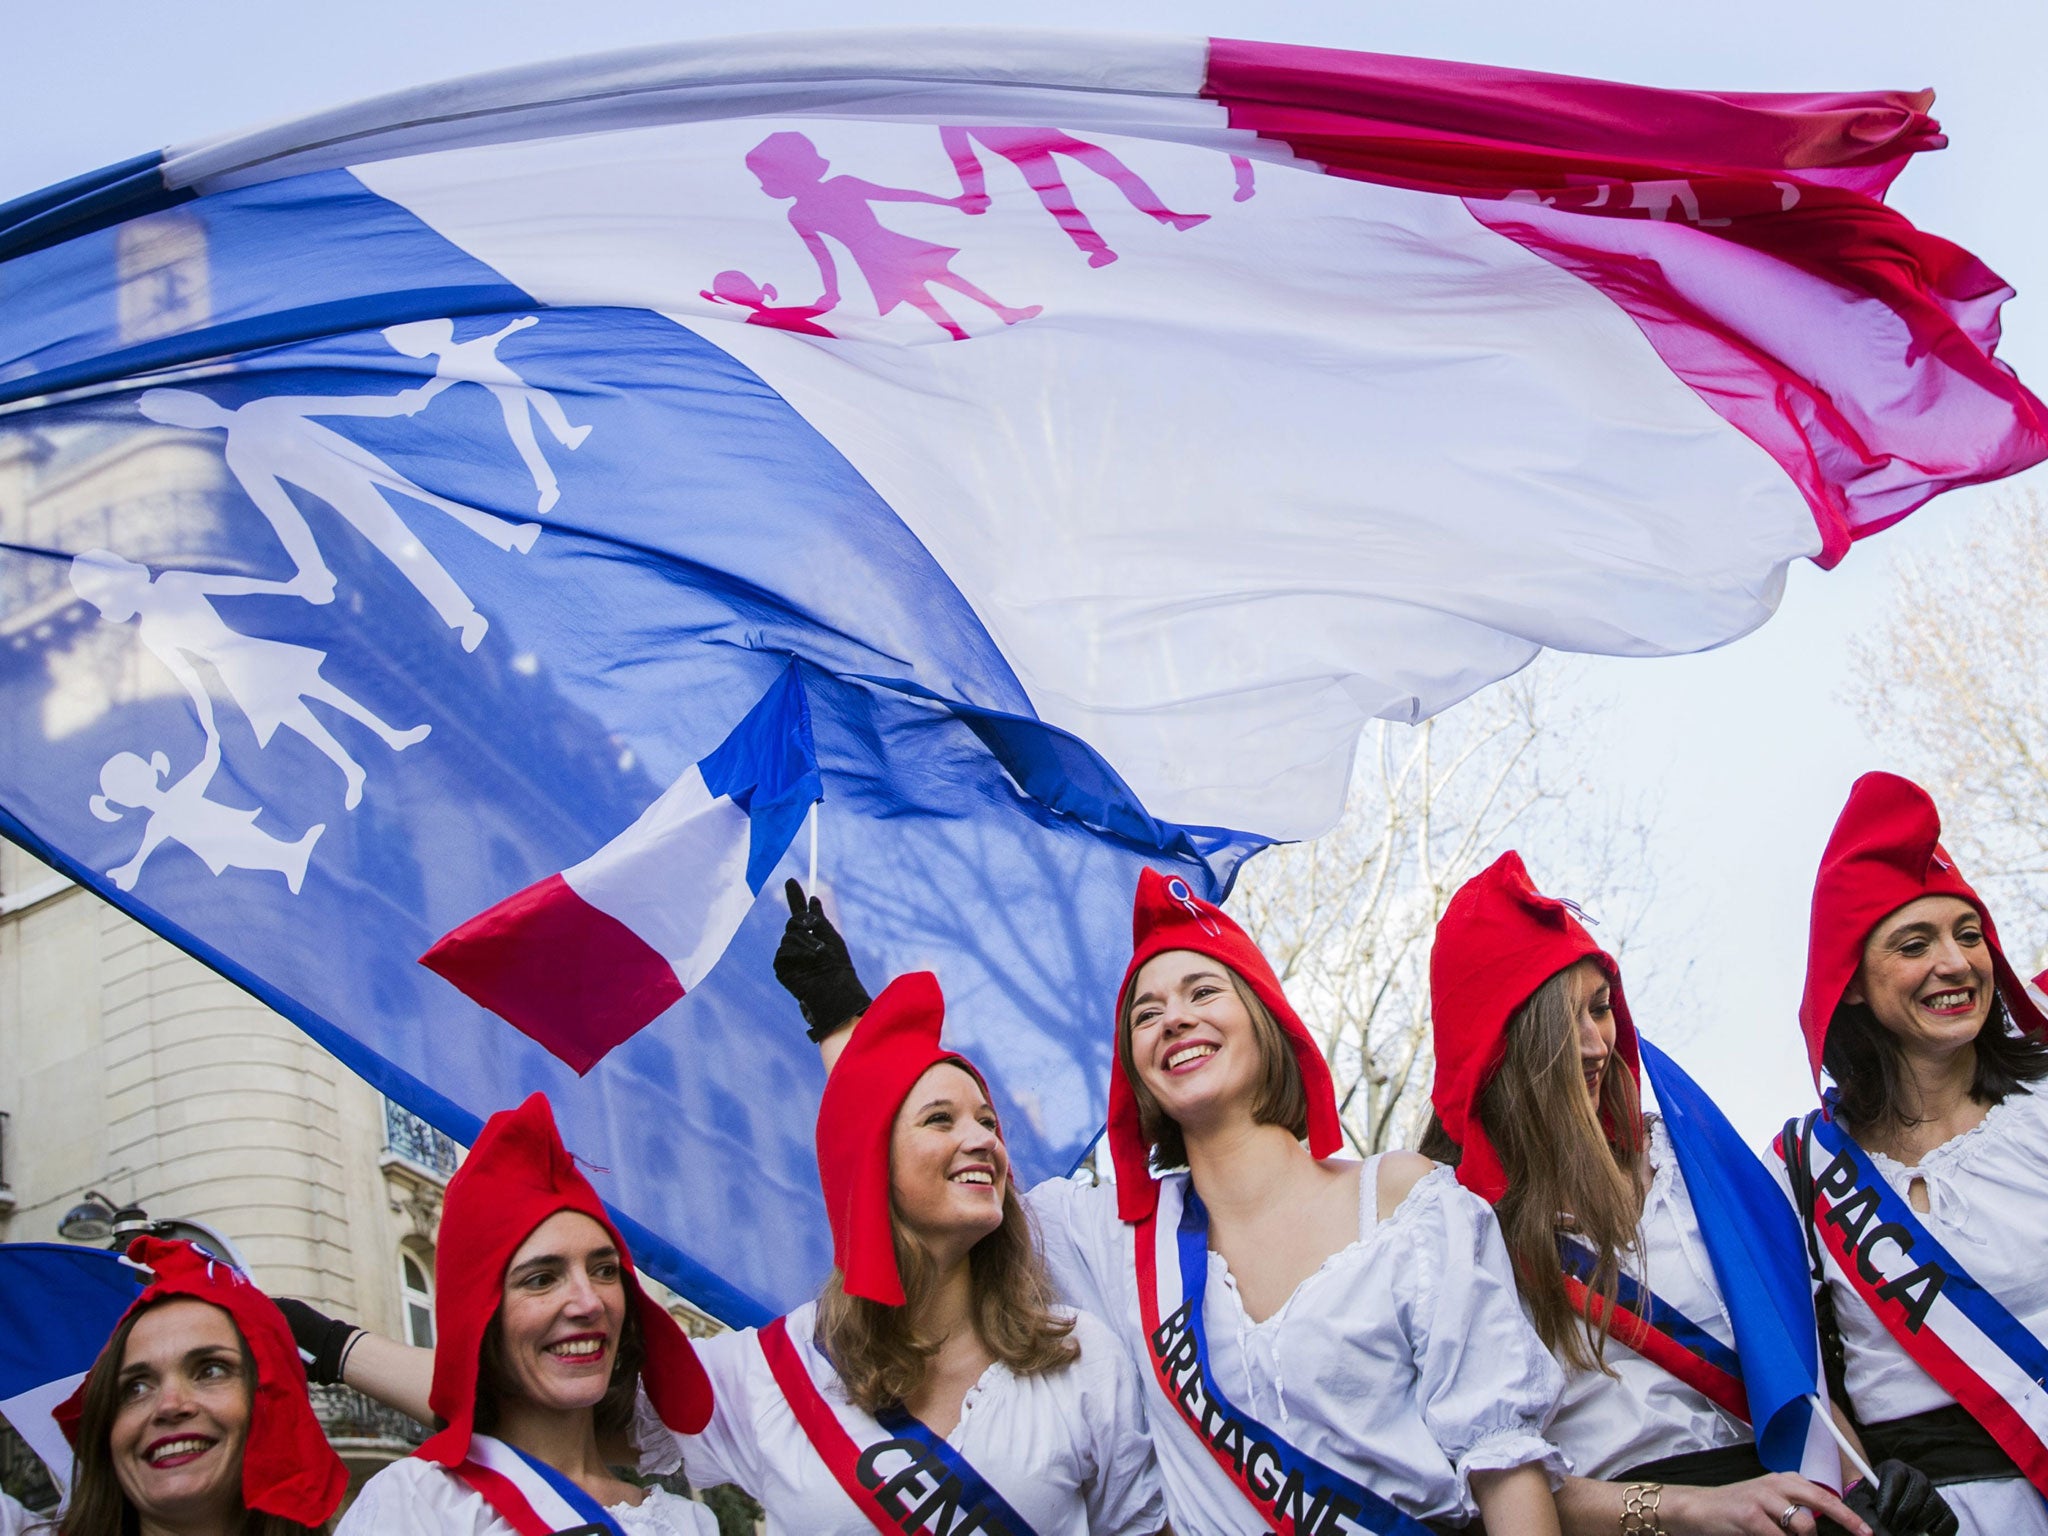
(96, 1219)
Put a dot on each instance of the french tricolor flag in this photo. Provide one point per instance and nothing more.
(585, 959)
(66, 1302)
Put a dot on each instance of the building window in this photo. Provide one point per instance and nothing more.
(408, 1136)
(417, 1293)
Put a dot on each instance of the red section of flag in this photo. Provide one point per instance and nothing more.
(556, 968)
(1709, 219)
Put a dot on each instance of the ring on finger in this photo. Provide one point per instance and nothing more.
(1792, 1512)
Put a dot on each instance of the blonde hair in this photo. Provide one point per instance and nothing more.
(881, 1356)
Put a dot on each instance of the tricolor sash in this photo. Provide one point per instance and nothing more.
(531, 1496)
(909, 1480)
(1293, 1493)
(1870, 1240)
(1657, 1331)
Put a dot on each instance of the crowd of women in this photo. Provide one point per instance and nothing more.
(1518, 1326)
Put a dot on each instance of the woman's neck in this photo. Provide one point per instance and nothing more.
(1241, 1167)
(566, 1439)
(1936, 1102)
(946, 1312)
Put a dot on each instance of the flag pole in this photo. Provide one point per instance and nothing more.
(1828, 1423)
(812, 883)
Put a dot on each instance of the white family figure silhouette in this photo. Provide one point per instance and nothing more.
(224, 838)
(271, 681)
(273, 443)
(476, 362)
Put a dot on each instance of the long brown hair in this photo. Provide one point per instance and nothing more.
(1565, 1171)
(1278, 1100)
(882, 1358)
(99, 1506)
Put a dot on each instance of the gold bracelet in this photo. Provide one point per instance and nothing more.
(1639, 1503)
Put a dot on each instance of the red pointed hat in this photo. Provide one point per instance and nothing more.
(1497, 942)
(288, 1468)
(1885, 852)
(895, 1043)
(1168, 915)
(516, 1176)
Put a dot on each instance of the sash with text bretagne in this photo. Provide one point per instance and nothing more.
(531, 1496)
(907, 1481)
(1874, 1243)
(1293, 1493)
(1657, 1331)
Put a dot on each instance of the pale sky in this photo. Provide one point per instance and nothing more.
(1747, 751)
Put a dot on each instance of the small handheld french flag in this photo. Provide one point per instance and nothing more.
(66, 1302)
(585, 959)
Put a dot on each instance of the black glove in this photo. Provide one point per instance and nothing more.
(1902, 1502)
(813, 966)
(323, 1341)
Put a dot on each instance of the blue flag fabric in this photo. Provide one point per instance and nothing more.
(1759, 1261)
(60, 1304)
(768, 767)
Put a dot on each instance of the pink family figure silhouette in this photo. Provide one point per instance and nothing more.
(1032, 150)
(899, 268)
(759, 300)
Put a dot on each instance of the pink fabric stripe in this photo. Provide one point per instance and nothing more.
(1742, 233)
(572, 977)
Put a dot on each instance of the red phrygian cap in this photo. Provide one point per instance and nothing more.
(1884, 853)
(516, 1176)
(895, 1043)
(288, 1468)
(1168, 915)
(1498, 941)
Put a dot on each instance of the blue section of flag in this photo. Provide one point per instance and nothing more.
(768, 767)
(1759, 1261)
(189, 707)
(61, 1304)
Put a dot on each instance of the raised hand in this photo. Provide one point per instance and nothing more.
(814, 967)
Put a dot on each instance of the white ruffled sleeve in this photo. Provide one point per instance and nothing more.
(1076, 1223)
(1124, 1495)
(1486, 1383)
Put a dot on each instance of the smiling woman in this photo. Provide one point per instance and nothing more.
(1920, 1182)
(544, 1344)
(195, 1419)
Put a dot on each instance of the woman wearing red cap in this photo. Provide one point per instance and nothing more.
(195, 1420)
(1921, 1179)
(1536, 1105)
(1327, 1347)
(543, 1339)
(935, 1385)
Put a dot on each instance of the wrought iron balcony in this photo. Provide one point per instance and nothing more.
(408, 1136)
(348, 1416)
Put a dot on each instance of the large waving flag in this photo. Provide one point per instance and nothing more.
(396, 502)
(1759, 1260)
(61, 1304)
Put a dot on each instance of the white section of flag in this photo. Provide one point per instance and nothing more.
(677, 876)
(30, 1414)
(1339, 452)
